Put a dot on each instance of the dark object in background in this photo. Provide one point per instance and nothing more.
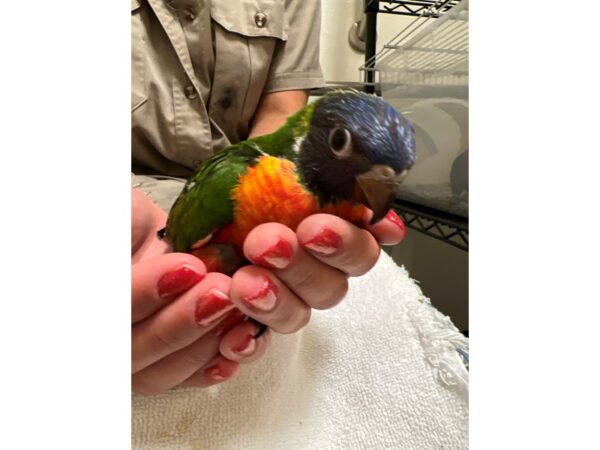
(459, 173)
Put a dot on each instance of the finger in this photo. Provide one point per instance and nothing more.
(173, 369)
(259, 294)
(388, 231)
(275, 246)
(240, 344)
(338, 243)
(182, 322)
(146, 219)
(176, 367)
(218, 370)
(155, 282)
(142, 222)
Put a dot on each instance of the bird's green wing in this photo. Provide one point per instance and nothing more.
(205, 203)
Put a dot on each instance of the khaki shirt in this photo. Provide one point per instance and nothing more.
(199, 68)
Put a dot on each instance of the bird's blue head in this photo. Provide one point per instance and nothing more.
(357, 148)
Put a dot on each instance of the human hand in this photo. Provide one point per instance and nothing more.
(295, 272)
(185, 330)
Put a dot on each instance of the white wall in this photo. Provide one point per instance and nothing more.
(339, 61)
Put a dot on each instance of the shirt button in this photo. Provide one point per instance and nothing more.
(189, 15)
(190, 92)
(260, 19)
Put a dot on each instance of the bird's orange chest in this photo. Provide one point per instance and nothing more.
(271, 192)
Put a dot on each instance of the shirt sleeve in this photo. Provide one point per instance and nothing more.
(295, 64)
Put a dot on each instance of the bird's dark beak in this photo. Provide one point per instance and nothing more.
(375, 189)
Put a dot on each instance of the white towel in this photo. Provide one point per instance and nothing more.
(380, 370)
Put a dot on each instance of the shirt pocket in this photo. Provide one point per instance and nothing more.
(139, 92)
(245, 36)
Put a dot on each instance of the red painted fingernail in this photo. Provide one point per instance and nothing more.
(232, 319)
(178, 281)
(212, 306)
(396, 220)
(325, 242)
(276, 257)
(266, 297)
(247, 347)
(215, 373)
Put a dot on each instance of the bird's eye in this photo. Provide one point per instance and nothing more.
(340, 142)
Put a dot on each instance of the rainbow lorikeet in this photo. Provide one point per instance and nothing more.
(340, 154)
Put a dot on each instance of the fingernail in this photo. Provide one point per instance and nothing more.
(325, 242)
(396, 220)
(178, 281)
(265, 298)
(211, 306)
(232, 319)
(215, 373)
(247, 347)
(278, 256)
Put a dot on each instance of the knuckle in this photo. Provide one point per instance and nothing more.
(194, 359)
(305, 277)
(323, 290)
(163, 341)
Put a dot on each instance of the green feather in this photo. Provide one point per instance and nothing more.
(205, 204)
(281, 142)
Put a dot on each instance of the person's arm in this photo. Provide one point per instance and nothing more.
(274, 109)
(294, 69)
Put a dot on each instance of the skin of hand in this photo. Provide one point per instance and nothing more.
(187, 325)
(185, 330)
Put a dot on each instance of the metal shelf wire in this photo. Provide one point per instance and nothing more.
(428, 57)
(431, 50)
(450, 228)
(424, 8)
